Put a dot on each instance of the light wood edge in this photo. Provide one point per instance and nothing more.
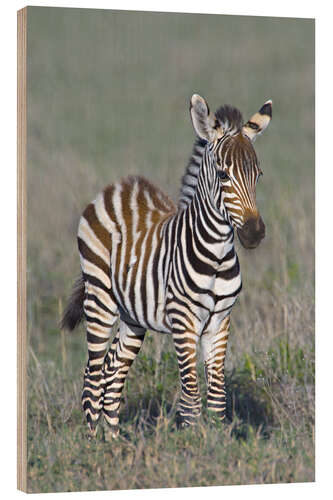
(21, 249)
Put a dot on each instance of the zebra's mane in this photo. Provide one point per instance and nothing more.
(231, 121)
(230, 118)
(190, 178)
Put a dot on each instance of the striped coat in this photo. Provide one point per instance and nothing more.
(171, 269)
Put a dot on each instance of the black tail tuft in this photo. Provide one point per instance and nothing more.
(73, 314)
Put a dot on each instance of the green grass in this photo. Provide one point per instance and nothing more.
(108, 95)
(268, 437)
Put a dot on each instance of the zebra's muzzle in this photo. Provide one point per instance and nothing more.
(251, 234)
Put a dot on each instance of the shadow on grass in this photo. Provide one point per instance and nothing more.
(145, 411)
(247, 407)
(249, 403)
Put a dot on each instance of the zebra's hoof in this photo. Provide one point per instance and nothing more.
(185, 422)
(184, 425)
(111, 434)
(92, 431)
(91, 436)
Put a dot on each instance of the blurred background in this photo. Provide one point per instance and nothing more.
(108, 95)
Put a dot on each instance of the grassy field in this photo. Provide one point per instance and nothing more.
(108, 95)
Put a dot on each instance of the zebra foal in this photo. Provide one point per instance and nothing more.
(171, 269)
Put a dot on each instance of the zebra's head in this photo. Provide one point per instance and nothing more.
(235, 163)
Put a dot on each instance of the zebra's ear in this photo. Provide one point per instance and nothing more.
(203, 122)
(258, 122)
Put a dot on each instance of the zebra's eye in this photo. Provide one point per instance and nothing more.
(222, 175)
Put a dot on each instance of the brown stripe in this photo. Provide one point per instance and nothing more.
(102, 234)
(126, 195)
(89, 255)
(109, 207)
(108, 203)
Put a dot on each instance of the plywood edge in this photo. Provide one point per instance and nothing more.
(21, 249)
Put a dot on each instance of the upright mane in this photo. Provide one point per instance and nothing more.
(190, 177)
(230, 119)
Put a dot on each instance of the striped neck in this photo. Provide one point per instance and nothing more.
(208, 197)
(201, 166)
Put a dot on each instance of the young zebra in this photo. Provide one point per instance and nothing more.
(172, 270)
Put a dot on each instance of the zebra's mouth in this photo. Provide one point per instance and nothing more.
(251, 234)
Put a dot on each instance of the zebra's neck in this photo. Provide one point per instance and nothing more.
(190, 177)
(206, 214)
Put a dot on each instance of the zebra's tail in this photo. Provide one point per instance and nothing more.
(74, 313)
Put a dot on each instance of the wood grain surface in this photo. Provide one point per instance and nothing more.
(21, 250)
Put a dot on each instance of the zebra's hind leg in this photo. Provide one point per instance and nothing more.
(189, 405)
(124, 349)
(101, 314)
(214, 347)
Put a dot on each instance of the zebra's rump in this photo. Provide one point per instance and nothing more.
(119, 239)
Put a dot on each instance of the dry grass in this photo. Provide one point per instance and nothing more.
(97, 112)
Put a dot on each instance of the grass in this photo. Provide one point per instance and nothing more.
(103, 101)
(268, 438)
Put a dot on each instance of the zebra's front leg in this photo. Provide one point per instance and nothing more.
(214, 347)
(124, 349)
(189, 405)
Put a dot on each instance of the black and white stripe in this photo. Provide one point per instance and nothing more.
(151, 266)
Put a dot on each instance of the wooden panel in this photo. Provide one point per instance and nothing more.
(21, 249)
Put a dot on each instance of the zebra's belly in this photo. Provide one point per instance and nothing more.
(156, 323)
(153, 307)
(142, 304)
